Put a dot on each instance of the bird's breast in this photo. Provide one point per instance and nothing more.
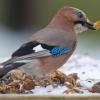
(50, 64)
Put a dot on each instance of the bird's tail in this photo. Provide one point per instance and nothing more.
(16, 62)
(8, 67)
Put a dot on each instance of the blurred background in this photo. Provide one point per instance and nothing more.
(20, 18)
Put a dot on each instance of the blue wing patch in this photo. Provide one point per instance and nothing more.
(57, 51)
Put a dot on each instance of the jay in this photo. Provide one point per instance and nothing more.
(49, 48)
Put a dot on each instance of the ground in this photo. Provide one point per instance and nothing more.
(87, 70)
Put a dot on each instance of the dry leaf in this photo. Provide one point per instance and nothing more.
(72, 79)
(73, 90)
(18, 82)
(57, 77)
(28, 83)
(17, 74)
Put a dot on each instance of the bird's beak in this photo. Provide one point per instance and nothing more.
(89, 24)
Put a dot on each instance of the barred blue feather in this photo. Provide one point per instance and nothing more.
(57, 51)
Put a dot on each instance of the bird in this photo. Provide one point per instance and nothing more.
(51, 47)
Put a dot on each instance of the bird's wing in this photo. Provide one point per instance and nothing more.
(27, 57)
(33, 50)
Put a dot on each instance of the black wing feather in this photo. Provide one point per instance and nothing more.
(25, 49)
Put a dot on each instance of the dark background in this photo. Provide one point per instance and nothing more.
(20, 18)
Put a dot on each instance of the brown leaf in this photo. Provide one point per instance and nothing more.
(58, 77)
(72, 79)
(28, 83)
(73, 90)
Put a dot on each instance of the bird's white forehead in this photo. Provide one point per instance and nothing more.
(79, 10)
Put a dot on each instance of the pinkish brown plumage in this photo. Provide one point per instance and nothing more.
(57, 42)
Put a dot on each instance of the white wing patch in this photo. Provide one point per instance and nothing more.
(38, 48)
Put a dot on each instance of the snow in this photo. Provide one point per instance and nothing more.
(84, 66)
(49, 90)
(87, 68)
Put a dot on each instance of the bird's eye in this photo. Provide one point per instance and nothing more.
(80, 15)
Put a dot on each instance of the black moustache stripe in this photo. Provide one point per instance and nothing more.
(89, 25)
(79, 22)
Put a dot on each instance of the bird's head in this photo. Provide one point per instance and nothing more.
(78, 18)
(72, 18)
